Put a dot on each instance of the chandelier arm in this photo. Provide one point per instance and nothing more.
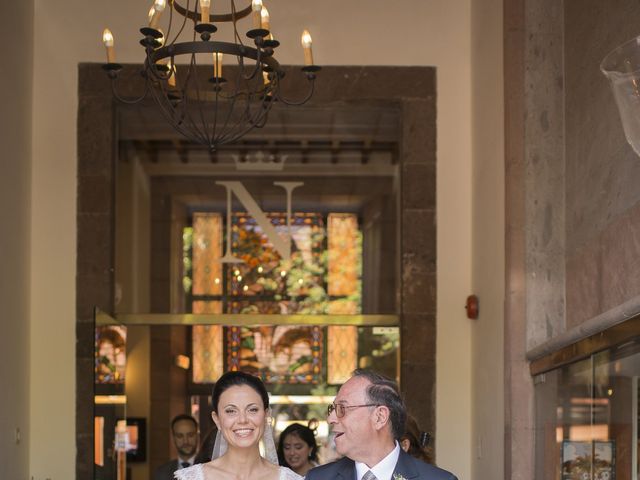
(166, 113)
(234, 95)
(156, 70)
(168, 35)
(236, 17)
(184, 23)
(128, 101)
(254, 118)
(258, 66)
(188, 48)
(157, 74)
(187, 124)
(227, 135)
(260, 117)
(197, 132)
(241, 133)
(242, 118)
(177, 117)
(231, 96)
(312, 83)
(240, 63)
(255, 121)
(195, 128)
(160, 100)
(186, 107)
(214, 127)
(227, 118)
(196, 80)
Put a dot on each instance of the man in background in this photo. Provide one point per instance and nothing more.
(184, 430)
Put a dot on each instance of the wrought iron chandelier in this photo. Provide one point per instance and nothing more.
(213, 105)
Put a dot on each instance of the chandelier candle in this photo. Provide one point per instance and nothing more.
(205, 5)
(306, 47)
(156, 10)
(107, 39)
(217, 64)
(264, 18)
(256, 6)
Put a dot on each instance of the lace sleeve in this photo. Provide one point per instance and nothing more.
(288, 474)
(194, 472)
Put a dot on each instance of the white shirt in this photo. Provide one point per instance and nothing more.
(190, 462)
(383, 470)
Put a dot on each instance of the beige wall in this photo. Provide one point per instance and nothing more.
(16, 29)
(53, 245)
(413, 32)
(488, 240)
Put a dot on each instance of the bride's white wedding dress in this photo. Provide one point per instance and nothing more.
(196, 472)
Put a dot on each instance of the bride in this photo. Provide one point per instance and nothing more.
(241, 412)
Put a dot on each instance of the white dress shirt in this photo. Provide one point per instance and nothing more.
(189, 461)
(383, 470)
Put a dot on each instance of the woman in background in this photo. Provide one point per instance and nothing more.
(297, 449)
(416, 442)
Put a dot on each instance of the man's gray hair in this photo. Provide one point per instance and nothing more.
(384, 391)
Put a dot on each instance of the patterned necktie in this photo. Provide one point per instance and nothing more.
(185, 464)
(369, 476)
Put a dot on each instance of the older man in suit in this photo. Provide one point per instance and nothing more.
(184, 430)
(367, 419)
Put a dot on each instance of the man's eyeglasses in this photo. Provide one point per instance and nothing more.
(342, 409)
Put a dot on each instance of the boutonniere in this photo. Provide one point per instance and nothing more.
(397, 476)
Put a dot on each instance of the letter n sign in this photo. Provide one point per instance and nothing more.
(282, 243)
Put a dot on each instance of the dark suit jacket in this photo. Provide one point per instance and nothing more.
(165, 471)
(407, 467)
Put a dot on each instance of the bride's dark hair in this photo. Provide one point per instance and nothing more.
(233, 379)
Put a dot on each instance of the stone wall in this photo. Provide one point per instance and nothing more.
(571, 206)
(602, 171)
(582, 217)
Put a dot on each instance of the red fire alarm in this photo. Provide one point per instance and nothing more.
(472, 307)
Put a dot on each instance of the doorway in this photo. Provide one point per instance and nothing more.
(368, 130)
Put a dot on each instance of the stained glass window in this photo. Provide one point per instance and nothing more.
(202, 252)
(206, 251)
(278, 354)
(264, 282)
(207, 353)
(342, 353)
(345, 257)
(322, 276)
